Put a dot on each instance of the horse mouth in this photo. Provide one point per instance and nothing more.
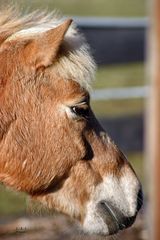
(113, 218)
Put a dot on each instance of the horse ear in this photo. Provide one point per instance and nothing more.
(43, 50)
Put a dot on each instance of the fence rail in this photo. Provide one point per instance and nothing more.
(110, 22)
(115, 40)
(120, 93)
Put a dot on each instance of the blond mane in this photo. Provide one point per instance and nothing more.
(75, 61)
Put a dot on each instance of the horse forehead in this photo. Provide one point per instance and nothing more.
(72, 88)
(68, 88)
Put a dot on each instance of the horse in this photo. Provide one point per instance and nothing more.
(52, 147)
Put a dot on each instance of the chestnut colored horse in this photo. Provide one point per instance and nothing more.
(51, 145)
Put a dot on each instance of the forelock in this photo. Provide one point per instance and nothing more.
(75, 61)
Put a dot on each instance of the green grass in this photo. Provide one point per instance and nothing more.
(120, 75)
(127, 8)
(137, 161)
(117, 108)
(11, 203)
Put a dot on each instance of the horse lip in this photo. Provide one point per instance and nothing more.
(114, 218)
(109, 217)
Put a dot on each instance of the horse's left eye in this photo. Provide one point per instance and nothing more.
(81, 111)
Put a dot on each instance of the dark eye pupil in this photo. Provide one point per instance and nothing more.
(82, 112)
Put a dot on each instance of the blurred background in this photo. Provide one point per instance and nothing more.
(116, 32)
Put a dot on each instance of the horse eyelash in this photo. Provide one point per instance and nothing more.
(81, 112)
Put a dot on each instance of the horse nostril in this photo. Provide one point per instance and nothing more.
(139, 200)
(127, 222)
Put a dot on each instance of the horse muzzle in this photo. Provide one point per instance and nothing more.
(114, 218)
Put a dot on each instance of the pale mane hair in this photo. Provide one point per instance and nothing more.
(75, 61)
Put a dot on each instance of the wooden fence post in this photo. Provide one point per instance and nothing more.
(153, 121)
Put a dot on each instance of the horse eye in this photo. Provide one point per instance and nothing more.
(81, 111)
